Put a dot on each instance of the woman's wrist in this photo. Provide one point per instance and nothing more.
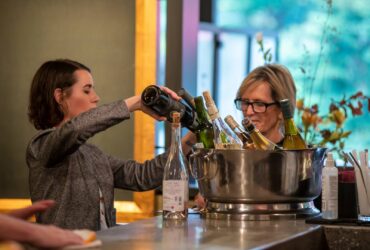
(133, 103)
(188, 141)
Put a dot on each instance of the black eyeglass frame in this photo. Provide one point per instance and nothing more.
(246, 102)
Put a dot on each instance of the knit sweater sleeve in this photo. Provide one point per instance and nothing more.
(52, 145)
(138, 176)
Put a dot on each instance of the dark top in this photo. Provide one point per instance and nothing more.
(63, 167)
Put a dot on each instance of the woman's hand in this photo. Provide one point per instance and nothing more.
(187, 142)
(40, 236)
(45, 236)
(200, 201)
(27, 212)
(134, 103)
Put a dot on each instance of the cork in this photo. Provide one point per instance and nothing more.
(211, 106)
(230, 121)
(175, 117)
(208, 98)
(248, 125)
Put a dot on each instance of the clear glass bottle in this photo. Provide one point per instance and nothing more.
(204, 132)
(329, 198)
(224, 137)
(259, 141)
(292, 137)
(175, 177)
(240, 132)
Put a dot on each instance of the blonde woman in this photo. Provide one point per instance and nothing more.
(259, 95)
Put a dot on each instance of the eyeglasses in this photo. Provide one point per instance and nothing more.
(258, 107)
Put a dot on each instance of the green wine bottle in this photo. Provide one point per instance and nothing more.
(292, 137)
(204, 130)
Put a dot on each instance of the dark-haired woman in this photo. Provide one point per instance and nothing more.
(63, 166)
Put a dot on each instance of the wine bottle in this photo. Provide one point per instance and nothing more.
(161, 103)
(175, 178)
(292, 137)
(259, 141)
(224, 137)
(204, 131)
(240, 132)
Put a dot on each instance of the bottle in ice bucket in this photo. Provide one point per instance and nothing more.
(204, 132)
(259, 141)
(224, 137)
(240, 132)
(175, 179)
(292, 138)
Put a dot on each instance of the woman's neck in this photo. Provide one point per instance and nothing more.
(62, 122)
(274, 135)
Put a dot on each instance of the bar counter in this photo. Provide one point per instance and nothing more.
(201, 233)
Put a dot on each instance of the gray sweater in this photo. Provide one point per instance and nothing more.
(63, 167)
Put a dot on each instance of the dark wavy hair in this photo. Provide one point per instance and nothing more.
(43, 110)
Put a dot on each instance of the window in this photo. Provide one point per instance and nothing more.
(225, 56)
(325, 44)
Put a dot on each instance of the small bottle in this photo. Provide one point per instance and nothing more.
(259, 141)
(204, 131)
(292, 137)
(175, 177)
(224, 137)
(240, 132)
(329, 196)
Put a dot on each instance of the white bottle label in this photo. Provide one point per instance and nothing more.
(330, 187)
(330, 193)
(175, 195)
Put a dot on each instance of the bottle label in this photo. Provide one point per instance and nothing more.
(330, 187)
(175, 195)
(227, 146)
(330, 193)
(329, 205)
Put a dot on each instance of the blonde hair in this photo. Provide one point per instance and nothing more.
(279, 79)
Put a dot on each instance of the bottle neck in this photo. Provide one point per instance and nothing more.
(213, 112)
(175, 138)
(250, 128)
(201, 111)
(290, 127)
(238, 129)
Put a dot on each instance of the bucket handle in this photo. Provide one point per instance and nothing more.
(192, 162)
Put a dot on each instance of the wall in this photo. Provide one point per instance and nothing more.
(97, 33)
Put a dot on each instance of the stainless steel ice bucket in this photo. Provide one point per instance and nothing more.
(258, 177)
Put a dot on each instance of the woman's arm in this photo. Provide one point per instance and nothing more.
(53, 145)
(134, 103)
(144, 176)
